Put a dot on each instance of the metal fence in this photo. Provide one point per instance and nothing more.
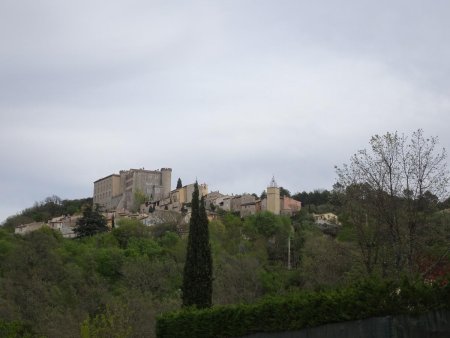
(435, 324)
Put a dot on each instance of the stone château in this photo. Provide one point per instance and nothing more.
(118, 191)
(116, 194)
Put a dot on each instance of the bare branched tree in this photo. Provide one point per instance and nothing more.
(390, 190)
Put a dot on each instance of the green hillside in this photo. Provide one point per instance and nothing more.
(116, 283)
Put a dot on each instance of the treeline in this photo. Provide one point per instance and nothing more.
(323, 200)
(45, 210)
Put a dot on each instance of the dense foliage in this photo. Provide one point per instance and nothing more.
(307, 309)
(53, 285)
(14, 330)
(91, 223)
(316, 197)
(113, 284)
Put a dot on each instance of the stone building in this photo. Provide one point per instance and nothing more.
(326, 218)
(289, 206)
(249, 205)
(273, 197)
(65, 224)
(210, 199)
(26, 228)
(279, 205)
(224, 202)
(106, 191)
(177, 199)
(235, 203)
(117, 192)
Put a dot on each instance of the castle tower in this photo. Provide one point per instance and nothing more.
(273, 197)
(166, 180)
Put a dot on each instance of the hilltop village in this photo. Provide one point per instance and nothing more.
(147, 195)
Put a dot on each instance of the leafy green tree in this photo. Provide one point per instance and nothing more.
(179, 184)
(139, 198)
(114, 323)
(197, 278)
(266, 224)
(92, 222)
(128, 228)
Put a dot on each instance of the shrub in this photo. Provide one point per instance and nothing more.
(14, 329)
(307, 309)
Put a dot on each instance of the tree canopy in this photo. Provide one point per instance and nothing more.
(92, 222)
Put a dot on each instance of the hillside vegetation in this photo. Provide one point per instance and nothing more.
(116, 283)
(45, 210)
(394, 224)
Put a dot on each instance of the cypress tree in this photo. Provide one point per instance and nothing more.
(197, 278)
(179, 184)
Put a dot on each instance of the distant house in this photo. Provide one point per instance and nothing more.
(63, 224)
(211, 199)
(279, 205)
(223, 202)
(235, 203)
(176, 200)
(326, 218)
(248, 205)
(26, 228)
(289, 206)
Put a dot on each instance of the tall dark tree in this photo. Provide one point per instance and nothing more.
(263, 195)
(179, 184)
(197, 278)
(91, 223)
(284, 192)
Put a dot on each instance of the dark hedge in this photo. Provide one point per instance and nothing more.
(307, 309)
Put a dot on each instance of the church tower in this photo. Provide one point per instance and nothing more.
(273, 197)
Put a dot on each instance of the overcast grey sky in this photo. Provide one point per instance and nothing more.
(229, 92)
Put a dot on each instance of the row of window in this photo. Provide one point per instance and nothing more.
(102, 195)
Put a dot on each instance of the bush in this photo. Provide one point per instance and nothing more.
(307, 309)
(129, 228)
(14, 329)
